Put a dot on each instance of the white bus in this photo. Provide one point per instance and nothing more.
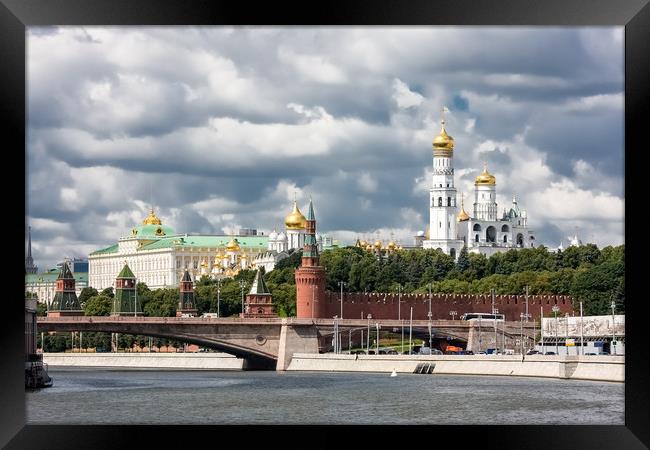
(482, 316)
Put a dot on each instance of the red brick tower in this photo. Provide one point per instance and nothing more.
(186, 306)
(310, 276)
(259, 301)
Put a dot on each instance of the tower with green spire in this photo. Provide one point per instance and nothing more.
(65, 301)
(310, 276)
(125, 302)
(186, 297)
(259, 301)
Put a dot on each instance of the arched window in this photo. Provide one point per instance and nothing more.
(505, 238)
(452, 253)
(439, 201)
(505, 228)
(490, 234)
(448, 201)
(520, 240)
(477, 227)
(476, 238)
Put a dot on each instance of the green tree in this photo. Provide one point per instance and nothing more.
(108, 292)
(87, 293)
(99, 305)
(41, 309)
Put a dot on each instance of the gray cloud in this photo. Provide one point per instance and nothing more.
(217, 126)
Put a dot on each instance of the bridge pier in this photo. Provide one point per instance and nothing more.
(295, 339)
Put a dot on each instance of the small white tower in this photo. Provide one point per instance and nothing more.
(485, 196)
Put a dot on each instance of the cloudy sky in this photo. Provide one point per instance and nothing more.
(218, 127)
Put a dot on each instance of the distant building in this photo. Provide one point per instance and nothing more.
(158, 256)
(596, 332)
(44, 284)
(30, 267)
(77, 265)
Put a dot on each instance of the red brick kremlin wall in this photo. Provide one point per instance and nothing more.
(385, 306)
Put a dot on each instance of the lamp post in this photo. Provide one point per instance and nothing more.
(480, 342)
(242, 283)
(555, 309)
(541, 328)
(566, 329)
(582, 342)
(399, 302)
(368, 346)
(494, 317)
(430, 315)
(336, 332)
(341, 283)
(612, 350)
(521, 331)
(377, 325)
(411, 332)
(349, 341)
(527, 315)
(453, 315)
(218, 296)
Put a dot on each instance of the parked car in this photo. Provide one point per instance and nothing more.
(467, 352)
(533, 352)
(549, 353)
(481, 353)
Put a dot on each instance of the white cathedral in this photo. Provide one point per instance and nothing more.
(483, 232)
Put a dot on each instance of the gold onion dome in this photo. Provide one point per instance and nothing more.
(378, 244)
(443, 144)
(485, 178)
(152, 219)
(391, 245)
(232, 246)
(462, 215)
(295, 220)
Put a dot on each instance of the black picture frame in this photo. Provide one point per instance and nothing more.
(15, 15)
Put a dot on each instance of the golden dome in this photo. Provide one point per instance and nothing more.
(204, 263)
(244, 256)
(391, 245)
(462, 215)
(378, 244)
(152, 219)
(295, 220)
(485, 178)
(233, 246)
(363, 244)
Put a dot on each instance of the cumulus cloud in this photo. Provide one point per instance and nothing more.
(219, 128)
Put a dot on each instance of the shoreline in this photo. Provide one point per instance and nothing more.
(587, 368)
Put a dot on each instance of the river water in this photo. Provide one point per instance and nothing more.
(92, 397)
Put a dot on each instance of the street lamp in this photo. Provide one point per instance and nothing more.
(582, 341)
(555, 309)
(612, 351)
(399, 302)
(242, 283)
(521, 331)
(336, 334)
(453, 315)
(494, 317)
(566, 328)
(218, 296)
(430, 315)
(411, 332)
(368, 346)
(341, 283)
(377, 325)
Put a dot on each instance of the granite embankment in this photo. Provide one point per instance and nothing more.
(174, 361)
(597, 368)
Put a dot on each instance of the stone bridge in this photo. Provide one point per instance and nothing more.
(263, 343)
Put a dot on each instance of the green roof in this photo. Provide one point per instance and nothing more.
(151, 231)
(65, 272)
(126, 272)
(247, 242)
(111, 249)
(259, 287)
